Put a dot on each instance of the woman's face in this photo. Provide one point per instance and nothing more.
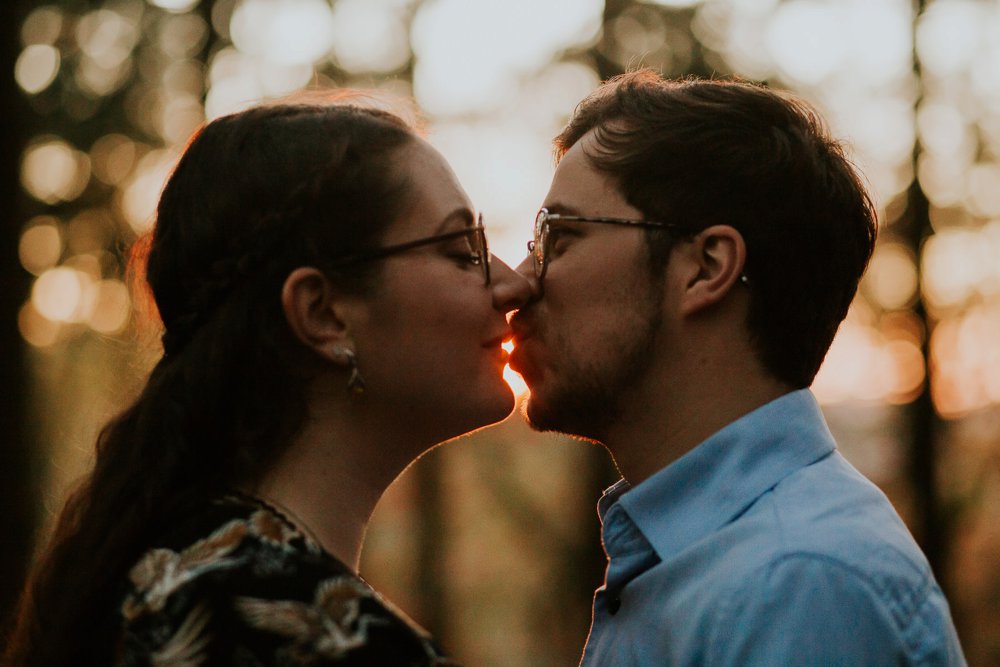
(429, 343)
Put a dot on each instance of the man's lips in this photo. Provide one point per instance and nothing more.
(520, 328)
(517, 356)
(525, 331)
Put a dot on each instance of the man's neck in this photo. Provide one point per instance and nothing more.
(658, 432)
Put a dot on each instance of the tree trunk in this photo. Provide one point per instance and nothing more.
(924, 424)
(18, 472)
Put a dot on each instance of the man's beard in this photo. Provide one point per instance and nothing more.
(588, 398)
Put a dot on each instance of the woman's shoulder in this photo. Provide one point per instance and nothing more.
(237, 583)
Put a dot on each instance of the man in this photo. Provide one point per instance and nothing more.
(699, 246)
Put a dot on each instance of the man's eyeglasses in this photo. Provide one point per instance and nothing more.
(479, 250)
(539, 249)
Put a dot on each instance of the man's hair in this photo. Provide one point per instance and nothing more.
(700, 153)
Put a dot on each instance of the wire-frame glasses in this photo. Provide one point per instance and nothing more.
(538, 247)
(476, 235)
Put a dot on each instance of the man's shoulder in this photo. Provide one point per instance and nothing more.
(830, 510)
(817, 568)
(824, 554)
(827, 609)
(826, 518)
(827, 513)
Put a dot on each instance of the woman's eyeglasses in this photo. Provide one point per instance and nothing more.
(475, 234)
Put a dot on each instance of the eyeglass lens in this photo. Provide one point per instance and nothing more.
(541, 238)
(483, 250)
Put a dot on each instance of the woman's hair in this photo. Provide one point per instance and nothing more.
(255, 195)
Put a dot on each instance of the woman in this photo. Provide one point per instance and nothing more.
(330, 314)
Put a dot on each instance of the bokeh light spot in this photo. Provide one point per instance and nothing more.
(676, 4)
(953, 262)
(943, 128)
(892, 276)
(369, 36)
(848, 371)
(984, 189)
(291, 32)
(111, 307)
(42, 26)
(100, 81)
(806, 40)
(112, 157)
(106, 37)
(57, 294)
(40, 245)
(180, 117)
(903, 366)
(142, 190)
(459, 70)
(183, 36)
(53, 171)
(36, 68)
(37, 330)
(943, 180)
(965, 355)
(948, 36)
(177, 6)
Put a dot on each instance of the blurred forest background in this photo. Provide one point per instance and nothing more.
(492, 542)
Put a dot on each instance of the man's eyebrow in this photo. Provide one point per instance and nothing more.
(461, 214)
(558, 208)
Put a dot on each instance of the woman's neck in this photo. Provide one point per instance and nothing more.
(330, 479)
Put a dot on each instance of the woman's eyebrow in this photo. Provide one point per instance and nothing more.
(462, 214)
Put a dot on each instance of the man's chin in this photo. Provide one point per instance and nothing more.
(531, 413)
(544, 418)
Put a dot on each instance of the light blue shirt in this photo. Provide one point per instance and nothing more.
(764, 546)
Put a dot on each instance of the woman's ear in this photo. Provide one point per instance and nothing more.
(317, 313)
(718, 254)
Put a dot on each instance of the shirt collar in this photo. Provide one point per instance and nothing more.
(611, 496)
(721, 477)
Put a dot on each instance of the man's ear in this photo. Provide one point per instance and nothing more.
(315, 311)
(717, 255)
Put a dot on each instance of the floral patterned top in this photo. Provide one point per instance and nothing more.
(238, 584)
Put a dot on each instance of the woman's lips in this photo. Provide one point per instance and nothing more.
(496, 341)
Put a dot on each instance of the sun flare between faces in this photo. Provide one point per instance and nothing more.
(512, 378)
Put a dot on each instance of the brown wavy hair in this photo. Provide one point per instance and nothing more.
(255, 195)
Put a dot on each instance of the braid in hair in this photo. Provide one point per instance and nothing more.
(255, 195)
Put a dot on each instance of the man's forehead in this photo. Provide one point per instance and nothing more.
(578, 182)
(588, 144)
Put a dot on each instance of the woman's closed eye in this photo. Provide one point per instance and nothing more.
(466, 258)
(462, 254)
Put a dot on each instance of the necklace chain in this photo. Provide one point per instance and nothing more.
(286, 515)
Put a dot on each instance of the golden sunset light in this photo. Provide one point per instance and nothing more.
(110, 92)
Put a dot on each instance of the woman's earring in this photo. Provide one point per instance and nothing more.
(355, 383)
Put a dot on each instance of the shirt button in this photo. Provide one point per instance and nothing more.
(614, 604)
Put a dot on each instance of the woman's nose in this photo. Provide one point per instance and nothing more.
(526, 269)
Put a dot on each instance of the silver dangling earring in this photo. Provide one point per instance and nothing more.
(355, 383)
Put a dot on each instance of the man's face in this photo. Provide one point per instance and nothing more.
(586, 342)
